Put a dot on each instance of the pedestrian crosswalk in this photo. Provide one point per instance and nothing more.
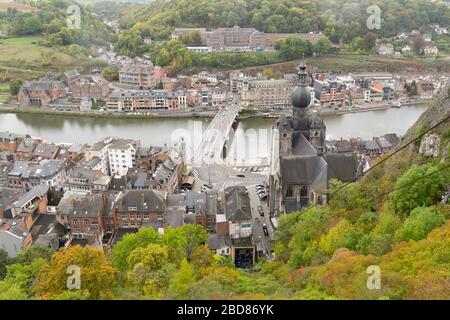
(195, 174)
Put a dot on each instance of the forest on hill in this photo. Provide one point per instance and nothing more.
(393, 218)
(49, 20)
(340, 20)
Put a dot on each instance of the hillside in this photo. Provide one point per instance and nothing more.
(340, 20)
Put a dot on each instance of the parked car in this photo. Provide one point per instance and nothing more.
(265, 229)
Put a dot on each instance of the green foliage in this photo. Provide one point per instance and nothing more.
(152, 257)
(350, 197)
(11, 291)
(179, 285)
(419, 223)
(294, 48)
(187, 238)
(72, 295)
(14, 86)
(173, 55)
(4, 261)
(110, 73)
(421, 190)
(129, 242)
(340, 20)
(50, 19)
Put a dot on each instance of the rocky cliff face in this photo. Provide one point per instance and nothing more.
(436, 143)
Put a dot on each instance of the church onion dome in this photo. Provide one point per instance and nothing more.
(301, 96)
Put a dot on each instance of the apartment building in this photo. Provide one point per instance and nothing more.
(122, 156)
(144, 100)
(240, 39)
(267, 93)
(92, 87)
(138, 75)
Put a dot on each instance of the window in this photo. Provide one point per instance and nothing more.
(304, 191)
(86, 222)
(289, 192)
(75, 222)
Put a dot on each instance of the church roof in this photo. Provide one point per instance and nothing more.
(301, 146)
(341, 166)
(302, 169)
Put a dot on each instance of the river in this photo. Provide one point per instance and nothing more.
(156, 132)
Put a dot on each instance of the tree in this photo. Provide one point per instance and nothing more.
(348, 198)
(423, 188)
(4, 261)
(370, 40)
(15, 85)
(11, 291)
(97, 275)
(322, 46)
(32, 253)
(153, 257)
(418, 44)
(110, 73)
(129, 242)
(420, 222)
(187, 238)
(181, 281)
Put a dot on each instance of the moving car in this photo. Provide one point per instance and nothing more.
(261, 211)
(240, 175)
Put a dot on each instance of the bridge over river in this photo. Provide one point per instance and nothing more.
(209, 150)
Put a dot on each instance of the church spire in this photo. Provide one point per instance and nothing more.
(302, 73)
(300, 96)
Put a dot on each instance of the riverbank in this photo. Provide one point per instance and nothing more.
(370, 108)
(190, 113)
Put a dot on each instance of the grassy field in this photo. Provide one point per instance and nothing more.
(5, 4)
(25, 54)
(4, 92)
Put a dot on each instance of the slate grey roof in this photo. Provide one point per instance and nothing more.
(302, 169)
(83, 173)
(217, 241)
(8, 196)
(45, 150)
(193, 198)
(237, 204)
(46, 228)
(76, 205)
(27, 145)
(393, 139)
(142, 200)
(341, 166)
(371, 145)
(20, 168)
(140, 180)
(175, 210)
(37, 191)
(301, 146)
(76, 148)
(384, 143)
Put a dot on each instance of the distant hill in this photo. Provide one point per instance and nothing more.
(341, 20)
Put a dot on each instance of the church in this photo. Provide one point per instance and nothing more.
(300, 168)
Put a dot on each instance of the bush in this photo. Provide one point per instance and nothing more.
(421, 221)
